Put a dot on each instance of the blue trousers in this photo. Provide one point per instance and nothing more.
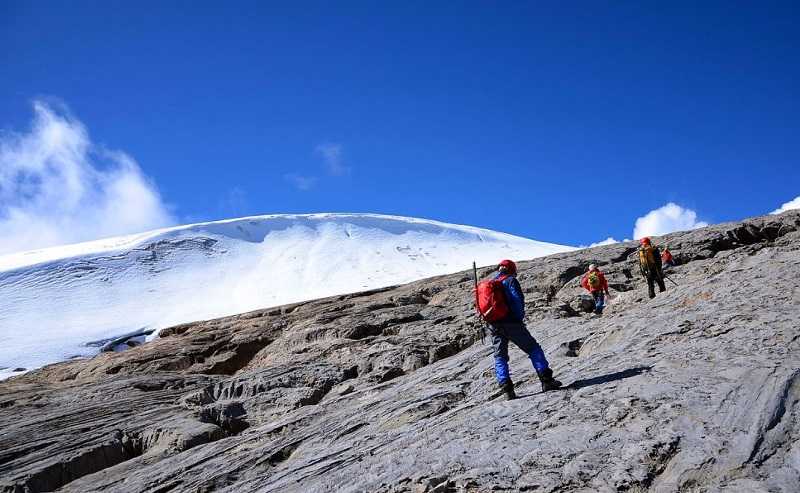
(516, 332)
(599, 301)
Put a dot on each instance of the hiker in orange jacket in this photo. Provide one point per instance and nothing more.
(595, 282)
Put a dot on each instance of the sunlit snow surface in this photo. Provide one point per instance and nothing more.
(53, 302)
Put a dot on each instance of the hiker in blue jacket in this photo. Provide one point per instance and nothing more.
(512, 328)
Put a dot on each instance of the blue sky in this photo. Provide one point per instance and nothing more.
(563, 123)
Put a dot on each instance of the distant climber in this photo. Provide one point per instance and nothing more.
(650, 266)
(666, 258)
(595, 282)
(502, 305)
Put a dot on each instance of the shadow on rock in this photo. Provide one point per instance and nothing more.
(611, 377)
(588, 382)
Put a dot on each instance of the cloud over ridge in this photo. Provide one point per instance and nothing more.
(666, 219)
(788, 206)
(57, 187)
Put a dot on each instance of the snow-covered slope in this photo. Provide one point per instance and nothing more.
(59, 302)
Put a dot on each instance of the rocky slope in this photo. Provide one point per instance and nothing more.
(390, 390)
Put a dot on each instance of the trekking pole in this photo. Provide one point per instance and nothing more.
(670, 279)
(482, 330)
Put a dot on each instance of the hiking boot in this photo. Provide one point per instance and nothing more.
(548, 382)
(508, 389)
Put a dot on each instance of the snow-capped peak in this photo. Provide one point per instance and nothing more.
(56, 300)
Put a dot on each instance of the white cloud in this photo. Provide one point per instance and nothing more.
(666, 219)
(792, 204)
(607, 241)
(56, 187)
(332, 156)
(301, 182)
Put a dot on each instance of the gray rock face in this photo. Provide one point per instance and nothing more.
(392, 390)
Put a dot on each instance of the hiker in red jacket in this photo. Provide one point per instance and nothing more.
(595, 282)
(666, 259)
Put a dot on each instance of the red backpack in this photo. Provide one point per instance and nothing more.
(491, 298)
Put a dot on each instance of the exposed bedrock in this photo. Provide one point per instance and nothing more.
(392, 390)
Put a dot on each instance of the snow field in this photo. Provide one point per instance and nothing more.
(55, 303)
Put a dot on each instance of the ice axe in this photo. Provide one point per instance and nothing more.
(670, 279)
(482, 330)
